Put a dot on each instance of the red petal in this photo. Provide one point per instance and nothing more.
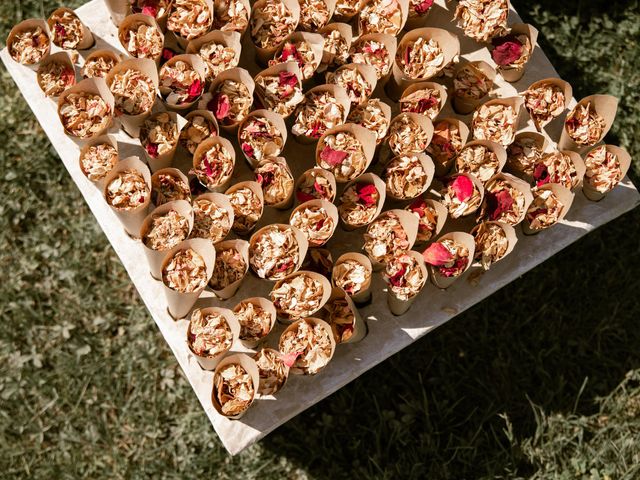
(506, 51)
(423, 7)
(304, 196)
(457, 268)
(247, 149)
(365, 192)
(318, 188)
(498, 203)
(152, 149)
(333, 157)
(194, 90)
(289, 359)
(168, 54)
(287, 78)
(463, 187)
(150, 10)
(285, 266)
(541, 174)
(396, 280)
(220, 106)
(437, 255)
(207, 167)
(60, 31)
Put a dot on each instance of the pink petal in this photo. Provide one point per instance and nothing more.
(437, 255)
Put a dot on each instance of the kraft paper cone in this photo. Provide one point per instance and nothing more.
(442, 213)
(359, 325)
(328, 207)
(155, 257)
(274, 118)
(220, 200)
(131, 219)
(541, 141)
(183, 42)
(60, 57)
(463, 105)
(319, 172)
(210, 362)
(228, 39)
(340, 94)
(118, 10)
(346, 18)
(267, 306)
(314, 321)
(510, 233)
(208, 114)
(276, 388)
(447, 41)
(427, 165)
(580, 166)
(368, 73)
(465, 239)
(398, 306)
(561, 84)
(514, 102)
(364, 295)
(132, 123)
(381, 187)
(496, 148)
(239, 75)
(205, 146)
(257, 190)
(426, 125)
(404, 10)
(414, 87)
(417, 21)
(330, 5)
(390, 43)
(86, 37)
(108, 139)
(263, 55)
(288, 201)
(443, 169)
(198, 65)
(366, 138)
(101, 53)
(250, 367)
(303, 246)
(565, 196)
(409, 224)
(512, 75)
(163, 160)
(29, 24)
(346, 31)
(96, 86)
(606, 106)
(179, 304)
(477, 184)
(521, 186)
(241, 246)
(314, 40)
(173, 172)
(625, 162)
(135, 19)
(291, 67)
(326, 292)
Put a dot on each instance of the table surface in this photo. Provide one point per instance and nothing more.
(387, 334)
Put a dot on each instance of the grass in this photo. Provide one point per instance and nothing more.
(542, 380)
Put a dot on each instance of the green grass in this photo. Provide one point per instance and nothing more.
(542, 380)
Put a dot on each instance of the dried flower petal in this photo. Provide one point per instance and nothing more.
(127, 191)
(544, 103)
(318, 112)
(406, 136)
(189, 19)
(197, 129)
(370, 115)
(523, 154)
(84, 114)
(29, 46)
(381, 16)
(374, 53)
(315, 223)
(271, 23)
(603, 169)
(448, 257)
(276, 181)
(142, 41)
(234, 389)
(98, 161)
(479, 161)
(503, 202)
(426, 101)
(255, 322)
(420, 59)
(183, 84)
(280, 93)
(491, 243)
(427, 218)
(215, 167)
(482, 19)
(404, 276)
(300, 52)
(314, 185)
(66, 28)
(555, 167)
(55, 77)
(359, 204)
(511, 51)
(260, 138)
(230, 16)
(209, 335)
(297, 296)
(230, 267)
(445, 144)
(310, 343)
(217, 58)
(385, 237)
(545, 210)
(460, 196)
(133, 91)
(98, 66)
(584, 125)
(185, 272)
(273, 370)
(353, 82)
(159, 134)
(165, 231)
(351, 276)
(274, 252)
(230, 101)
(495, 122)
(210, 220)
(247, 208)
(405, 177)
(166, 187)
(471, 83)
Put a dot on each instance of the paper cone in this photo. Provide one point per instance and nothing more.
(366, 138)
(565, 196)
(391, 44)
(291, 67)
(210, 362)
(314, 40)
(346, 18)
(220, 200)
(257, 190)
(179, 304)
(346, 32)
(263, 55)
(442, 213)
(404, 11)
(320, 172)
(86, 37)
(512, 75)
(205, 146)
(510, 233)
(541, 142)
(268, 307)
(498, 149)
(228, 39)
(155, 257)
(303, 246)
(98, 54)
(118, 10)
(368, 73)
(463, 105)
(567, 91)
(183, 42)
(514, 102)
(239, 75)
(164, 160)
(29, 24)
(328, 207)
(447, 41)
(382, 191)
(288, 201)
(359, 325)
(414, 87)
(198, 65)
(314, 321)
(409, 224)
(250, 367)
(465, 239)
(241, 246)
(276, 388)
(625, 162)
(274, 119)
(173, 172)
(132, 123)
(96, 86)
(340, 94)
(418, 20)
(606, 106)
(427, 165)
(426, 125)
(477, 184)
(133, 20)
(326, 292)
(60, 57)
(108, 139)
(207, 114)
(364, 295)
(579, 165)
(131, 219)
(443, 169)
(330, 6)
(518, 184)
(398, 306)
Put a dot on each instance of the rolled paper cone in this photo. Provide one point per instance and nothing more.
(426, 125)
(155, 257)
(347, 18)
(102, 53)
(319, 171)
(443, 169)
(359, 325)
(263, 55)
(118, 10)
(137, 18)
(447, 41)
(95, 86)
(606, 106)
(183, 42)
(399, 306)
(514, 102)
(368, 73)
(381, 187)
(429, 168)
(442, 213)
(273, 118)
(210, 362)
(404, 11)
(174, 172)
(365, 136)
(579, 165)
(418, 21)
(208, 114)
(290, 67)
(257, 190)
(521, 186)
(228, 39)
(165, 160)
(326, 292)
(390, 42)
(541, 141)
(241, 246)
(314, 40)
(414, 87)
(463, 238)
(494, 147)
(131, 219)
(566, 88)
(346, 31)
(479, 186)
(221, 200)
(28, 24)
(108, 139)
(625, 162)
(59, 57)
(512, 75)
(409, 224)
(198, 65)
(303, 243)
(207, 144)
(86, 37)
(238, 75)
(564, 195)
(249, 365)
(340, 94)
(510, 233)
(276, 389)
(328, 207)
(179, 304)
(288, 201)
(132, 123)
(267, 306)
(314, 321)
(464, 105)
(364, 295)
